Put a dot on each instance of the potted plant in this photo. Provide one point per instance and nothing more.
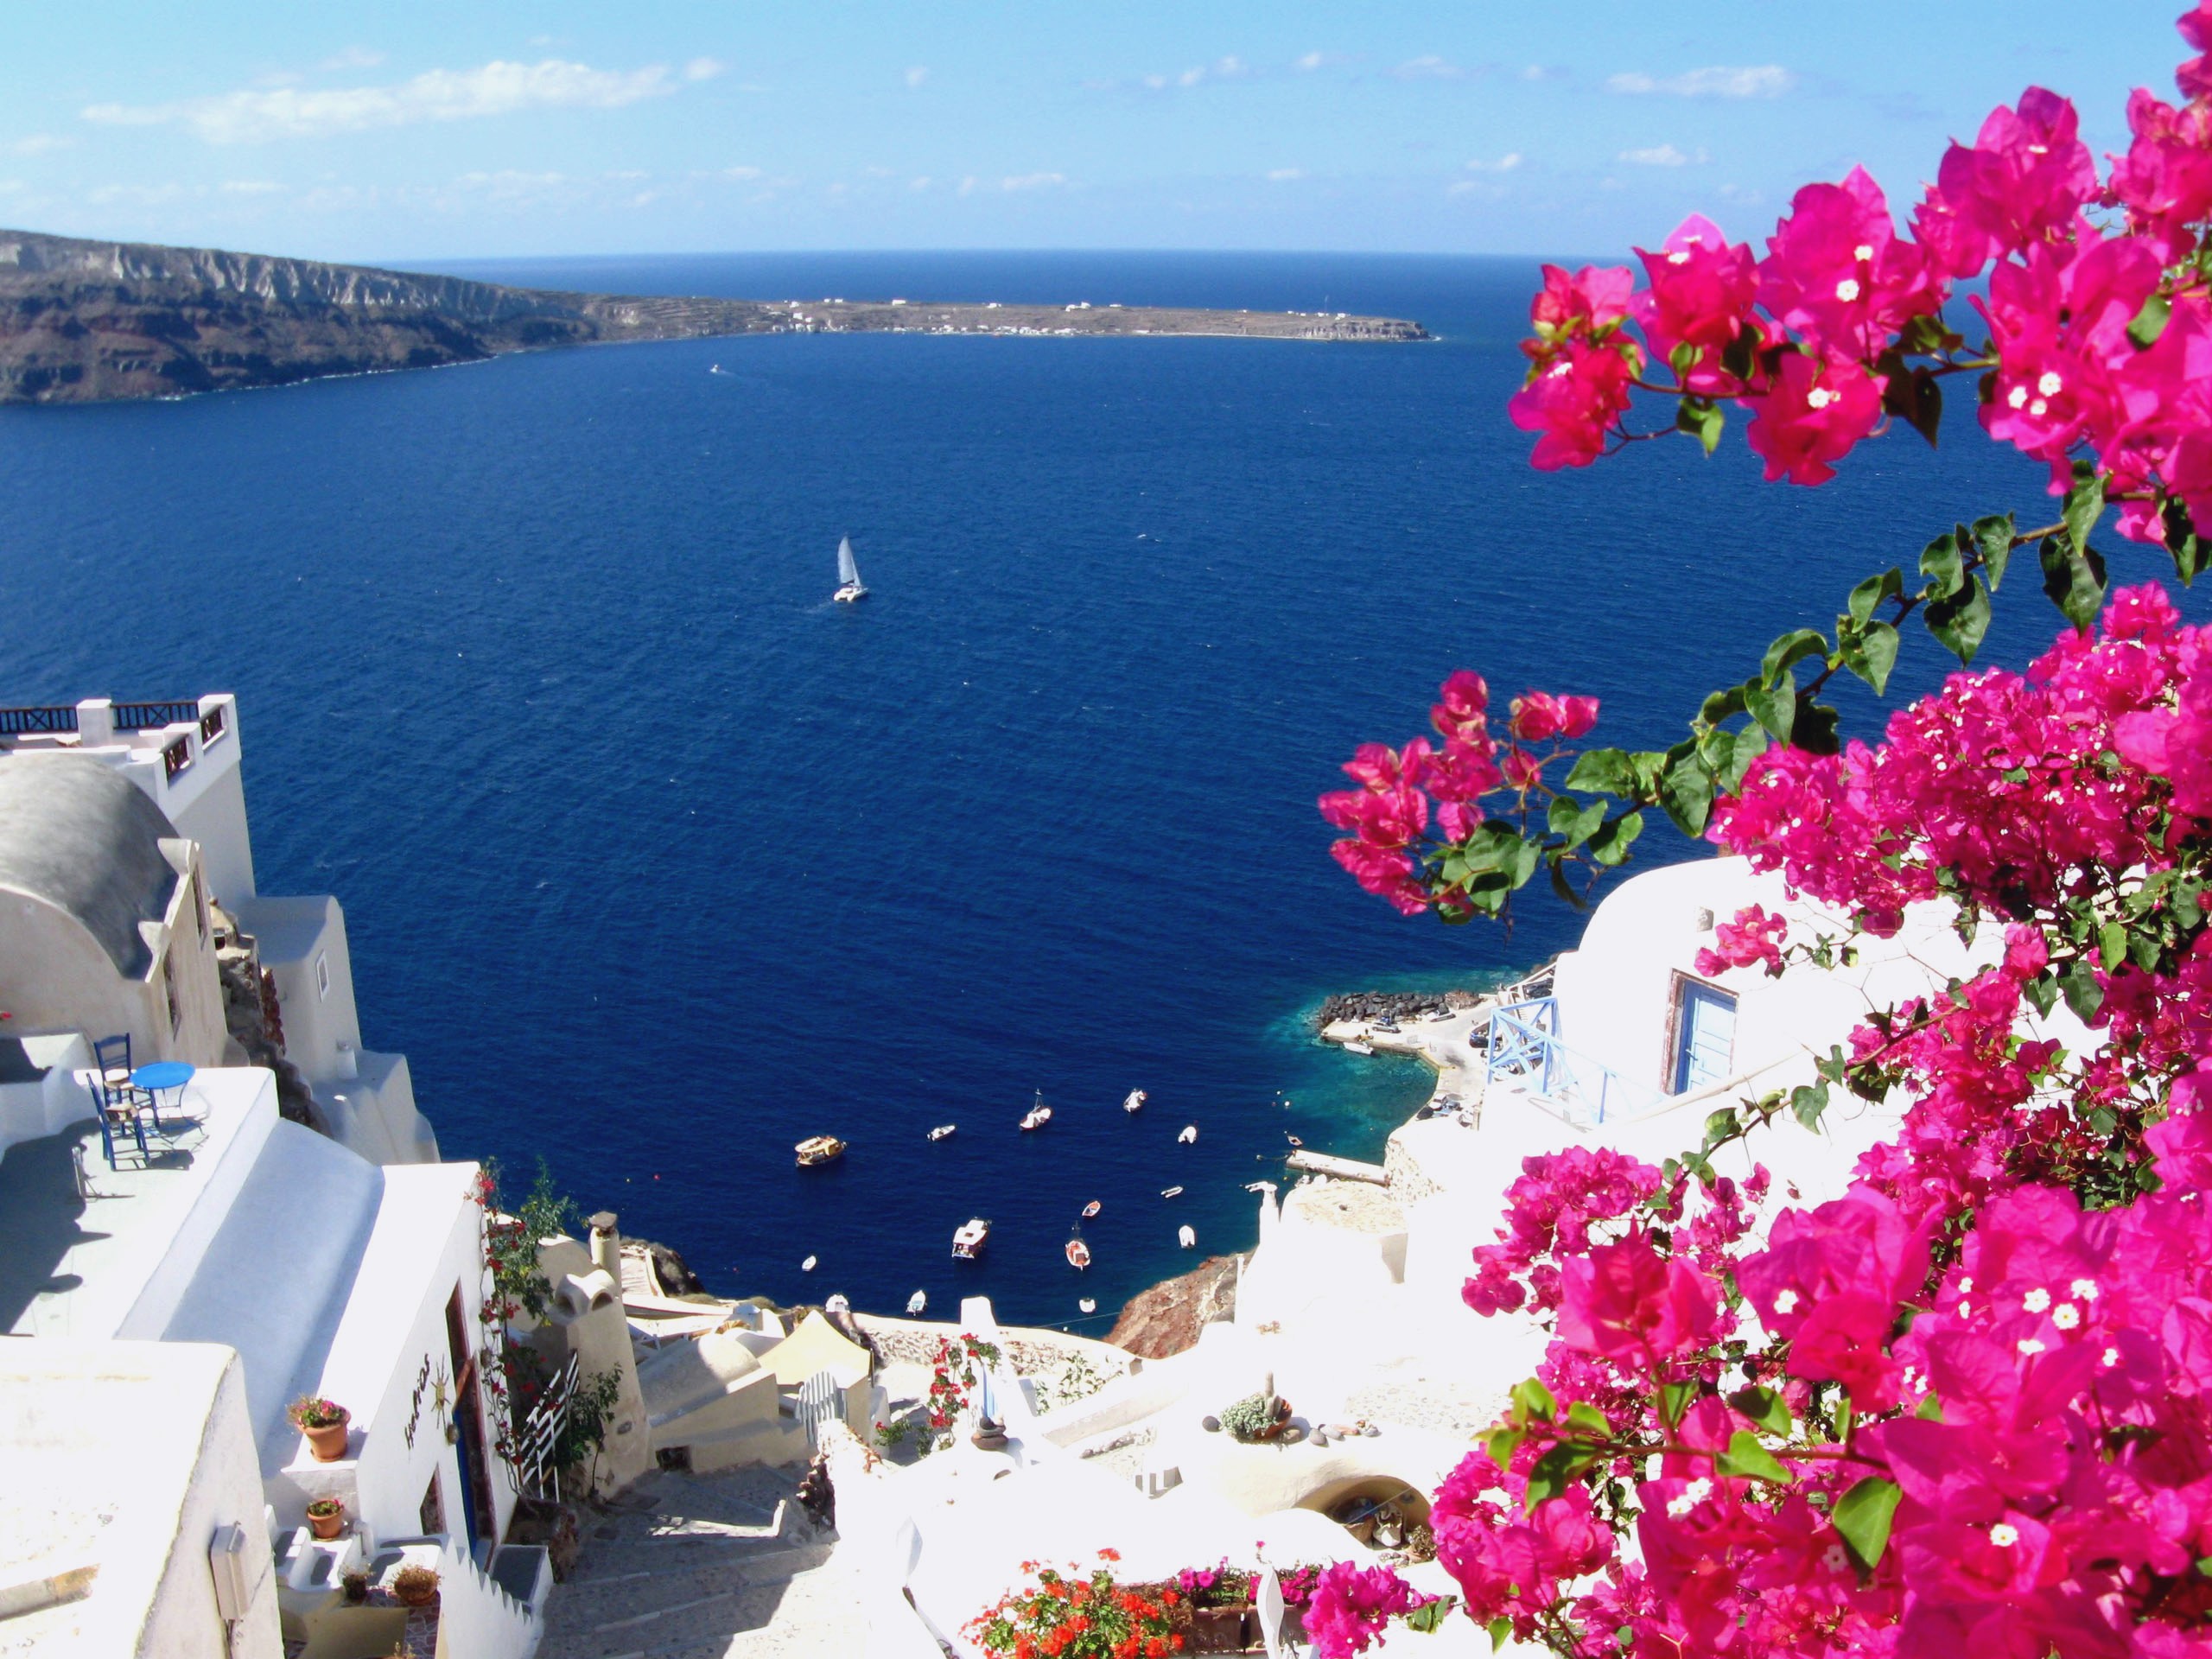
(415, 1585)
(1297, 1585)
(1257, 1417)
(324, 1423)
(1218, 1596)
(1072, 1616)
(326, 1516)
(356, 1587)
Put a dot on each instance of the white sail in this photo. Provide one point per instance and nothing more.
(849, 573)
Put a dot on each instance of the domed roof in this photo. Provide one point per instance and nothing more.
(80, 836)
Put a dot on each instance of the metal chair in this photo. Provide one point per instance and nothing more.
(112, 1055)
(118, 1108)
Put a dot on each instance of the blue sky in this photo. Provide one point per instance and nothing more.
(405, 130)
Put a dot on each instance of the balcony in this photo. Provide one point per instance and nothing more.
(1526, 1054)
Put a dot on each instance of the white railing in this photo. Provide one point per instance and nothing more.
(1526, 1051)
(536, 1474)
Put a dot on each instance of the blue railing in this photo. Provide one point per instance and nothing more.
(1525, 1050)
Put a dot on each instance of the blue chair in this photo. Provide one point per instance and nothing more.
(112, 1055)
(119, 1109)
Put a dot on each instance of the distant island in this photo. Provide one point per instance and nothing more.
(84, 322)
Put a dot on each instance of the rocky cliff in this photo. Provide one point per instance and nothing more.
(1168, 1319)
(82, 322)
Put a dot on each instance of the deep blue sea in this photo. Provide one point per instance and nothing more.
(655, 861)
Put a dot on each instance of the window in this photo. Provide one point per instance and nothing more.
(199, 904)
(1705, 1035)
(169, 990)
(322, 975)
(433, 1512)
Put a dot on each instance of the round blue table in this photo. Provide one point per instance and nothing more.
(158, 1075)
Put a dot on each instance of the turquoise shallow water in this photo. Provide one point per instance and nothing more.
(654, 861)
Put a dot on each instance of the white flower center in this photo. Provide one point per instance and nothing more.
(1819, 398)
(2038, 408)
(2066, 1316)
(2036, 1300)
(1863, 253)
(1835, 1560)
(1785, 1301)
(2112, 1357)
(1966, 1284)
(2084, 1288)
(2031, 1345)
(2003, 1534)
(2017, 397)
(1848, 288)
(1965, 1310)
(2051, 383)
(1679, 256)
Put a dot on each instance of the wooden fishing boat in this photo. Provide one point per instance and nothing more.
(819, 1149)
(969, 1239)
(1079, 1254)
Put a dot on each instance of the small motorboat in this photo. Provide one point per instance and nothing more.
(1186, 1236)
(1091, 1209)
(836, 1307)
(1079, 1254)
(819, 1149)
(807, 1266)
(917, 1303)
(849, 585)
(942, 1130)
(969, 1238)
(1293, 1139)
(1088, 1305)
(1189, 1134)
(1355, 1046)
(1039, 1115)
(1170, 1192)
(1133, 1102)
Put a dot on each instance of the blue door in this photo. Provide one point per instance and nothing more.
(1705, 1036)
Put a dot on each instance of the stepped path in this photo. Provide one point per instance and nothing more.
(719, 1566)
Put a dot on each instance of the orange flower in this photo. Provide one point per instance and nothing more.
(1109, 1554)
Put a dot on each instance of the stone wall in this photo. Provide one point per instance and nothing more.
(1032, 1351)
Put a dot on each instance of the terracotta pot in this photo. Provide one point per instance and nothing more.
(328, 1526)
(328, 1444)
(415, 1595)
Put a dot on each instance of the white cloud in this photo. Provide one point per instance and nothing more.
(1313, 60)
(10, 187)
(740, 174)
(37, 144)
(1429, 67)
(1505, 163)
(498, 88)
(354, 57)
(703, 68)
(917, 75)
(1228, 68)
(1286, 175)
(968, 185)
(1543, 72)
(921, 183)
(251, 187)
(1763, 81)
(1661, 155)
(1033, 182)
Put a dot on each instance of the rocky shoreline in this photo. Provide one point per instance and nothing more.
(1166, 1318)
(1392, 1005)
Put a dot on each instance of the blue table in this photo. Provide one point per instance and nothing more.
(159, 1075)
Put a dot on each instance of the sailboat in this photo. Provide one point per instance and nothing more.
(849, 585)
(1039, 1115)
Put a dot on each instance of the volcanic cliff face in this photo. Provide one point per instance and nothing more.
(1166, 1318)
(81, 322)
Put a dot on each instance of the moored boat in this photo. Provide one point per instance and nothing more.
(849, 585)
(969, 1238)
(1170, 1192)
(1189, 1134)
(1186, 1236)
(1039, 1115)
(1134, 1101)
(942, 1130)
(1091, 1209)
(917, 1304)
(819, 1149)
(1355, 1046)
(1079, 1254)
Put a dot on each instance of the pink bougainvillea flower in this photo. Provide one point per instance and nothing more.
(1593, 301)
(2195, 76)
(2165, 178)
(1538, 715)
(2026, 175)
(1385, 874)
(1839, 274)
(1573, 400)
(1701, 295)
(1753, 934)
(1811, 414)
(1627, 1300)
(1462, 707)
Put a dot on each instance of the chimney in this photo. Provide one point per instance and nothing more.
(606, 1244)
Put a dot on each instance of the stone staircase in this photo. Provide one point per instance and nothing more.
(717, 1567)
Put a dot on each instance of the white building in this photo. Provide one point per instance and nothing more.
(170, 1303)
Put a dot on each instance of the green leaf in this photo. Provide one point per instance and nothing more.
(1746, 1458)
(2084, 995)
(1675, 1399)
(1702, 419)
(1790, 650)
(1917, 399)
(1683, 357)
(1584, 1416)
(1577, 823)
(2191, 552)
(1941, 563)
(1503, 1442)
(2111, 944)
(1532, 1399)
(1605, 771)
(1430, 1615)
(2150, 322)
(1773, 705)
(2073, 579)
(1555, 1471)
(1686, 792)
(1994, 536)
(1722, 704)
(1870, 651)
(1807, 1102)
(1815, 728)
(1501, 1632)
(1961, 622)
(1764, 1406)
(2085, 505)
(1750, 743)
(1872, 591)
(1610, 845)
(1930, 1410)
(1862, 1519)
